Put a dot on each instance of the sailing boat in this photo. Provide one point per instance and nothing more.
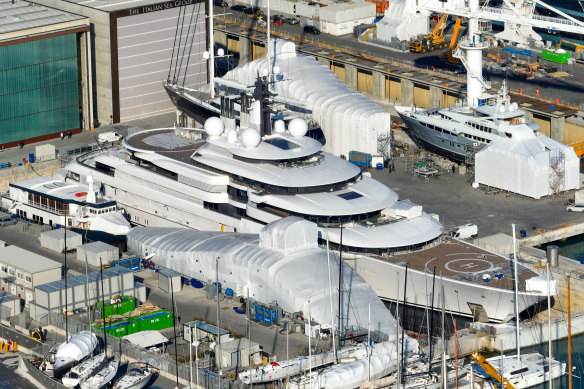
(136, 377)
(110, 369)
(526, 370)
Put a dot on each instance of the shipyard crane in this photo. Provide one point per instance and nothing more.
(447, 55)
(470, 47)
(491, 371)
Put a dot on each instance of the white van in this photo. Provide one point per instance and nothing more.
(109, 137)
(466, 231)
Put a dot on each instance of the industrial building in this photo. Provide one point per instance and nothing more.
(132, 49)
(44, 89)
(21, 271)
(83, 291)
(237, 353)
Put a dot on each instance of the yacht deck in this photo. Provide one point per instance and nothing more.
(166, 142)
(464, 262)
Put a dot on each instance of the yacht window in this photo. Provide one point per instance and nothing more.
(519, 371)
(4, 269)
(508, 135)
(350, 195)
(282, 143)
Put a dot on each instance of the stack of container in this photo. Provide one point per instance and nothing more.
(149, 322)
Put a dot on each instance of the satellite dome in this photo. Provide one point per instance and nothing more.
(298, 127)
(232, 136)
(279, 127)
(250, 138)
(514, 107)
(214, 127)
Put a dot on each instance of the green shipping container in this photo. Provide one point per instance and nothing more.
(154, 321)
(119, 329)
(552, 56)
(126, 304)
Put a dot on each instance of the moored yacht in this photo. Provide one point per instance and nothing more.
(230, 178)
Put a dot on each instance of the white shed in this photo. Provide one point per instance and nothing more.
(95, 251)
(55, 240)
(528, 164)
(164, 281)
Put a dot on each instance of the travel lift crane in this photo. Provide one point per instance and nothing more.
(471, 46)
(432, 41)
(491, 371)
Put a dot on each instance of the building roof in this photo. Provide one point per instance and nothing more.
(22, 15)
(60, 233)
(146, 339)
(206, 327)
(143, 6)
(98, 247)
(241, 344)
(82, 279)
(6, 297)
(25, 260)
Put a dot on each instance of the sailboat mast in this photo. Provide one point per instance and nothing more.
(569, 338)
(397, 333)
(404, 320)
(66, 291)
(340, 281)
(268, 38)
(174, 327)
(211, 52)
(431, 330)
(328, 262)
(516, 277)
(549, 325)
(103, 306)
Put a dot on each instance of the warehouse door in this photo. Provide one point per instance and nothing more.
(145, 49)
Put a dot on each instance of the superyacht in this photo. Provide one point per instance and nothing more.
(230, 178)
(453, 132)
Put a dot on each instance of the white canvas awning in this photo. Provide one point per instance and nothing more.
(146, 339)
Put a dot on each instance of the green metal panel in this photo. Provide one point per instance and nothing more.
(555, 57)
(39, 88)
(154, 321)
(126, 304)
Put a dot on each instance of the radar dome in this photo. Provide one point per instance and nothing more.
(298, 127)
(514, 107)
(250, 138)
(214, 127)
(279, 126)
(232, 136)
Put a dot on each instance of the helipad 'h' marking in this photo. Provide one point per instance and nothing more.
(469, 265)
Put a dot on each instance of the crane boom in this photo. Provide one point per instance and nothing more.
(490, 370)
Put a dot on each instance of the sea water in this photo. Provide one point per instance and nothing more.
(572, 247)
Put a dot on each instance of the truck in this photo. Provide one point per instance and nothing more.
(360, 159)
(432, 41)
(109, 137)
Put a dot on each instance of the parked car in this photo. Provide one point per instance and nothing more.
(7, 220)
(290, 20)
(278, 22)
(220, 3)
(238, 7)
(575, 208)
(276, 17)
(311, 30)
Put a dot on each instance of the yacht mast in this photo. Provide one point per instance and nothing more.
(211, 53)
(328, 261)
(516, 277)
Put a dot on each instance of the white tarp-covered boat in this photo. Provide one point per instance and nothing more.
(113, 223)
(79, 347)
(284, 264)
(402, 21)
(349, 120)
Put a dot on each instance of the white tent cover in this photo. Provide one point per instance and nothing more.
(284, 264)
(79, 346)
(521, 164)
(349, 120)
(401, 21)
(113, 223)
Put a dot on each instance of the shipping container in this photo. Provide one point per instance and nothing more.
(119, 329)
(117, 307)
(154, 321)
(555, 56)
(360, 159)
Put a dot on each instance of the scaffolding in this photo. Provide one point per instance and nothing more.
(422, 165)
(557, 172)
(385, 145)
(469, 162)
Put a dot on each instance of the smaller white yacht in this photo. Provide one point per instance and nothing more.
(78, 347)
(527, 371)
(82, 371)
(454, 131)
(103, 377)
(137, 377)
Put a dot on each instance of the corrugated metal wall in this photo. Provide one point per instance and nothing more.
(145, 49)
